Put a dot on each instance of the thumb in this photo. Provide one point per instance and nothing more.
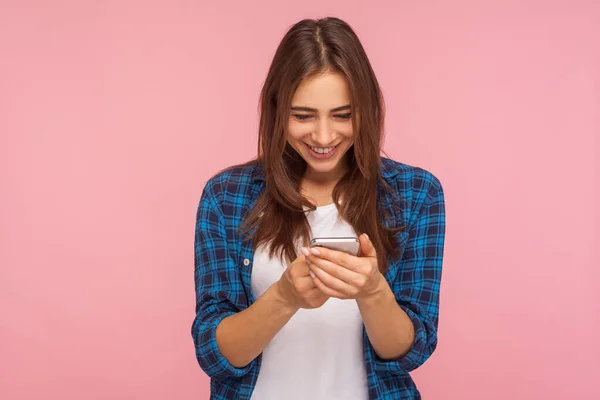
(366, 247)
(300, 258)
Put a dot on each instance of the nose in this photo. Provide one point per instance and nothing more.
(324, 134)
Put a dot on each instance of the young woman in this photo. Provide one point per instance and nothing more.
(276, 319)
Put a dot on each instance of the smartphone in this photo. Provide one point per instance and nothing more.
(348, 245)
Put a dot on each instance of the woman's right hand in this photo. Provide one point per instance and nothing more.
(296, 287)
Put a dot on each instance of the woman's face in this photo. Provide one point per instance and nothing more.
(320, 125)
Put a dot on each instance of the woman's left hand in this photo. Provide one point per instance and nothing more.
(341, 275)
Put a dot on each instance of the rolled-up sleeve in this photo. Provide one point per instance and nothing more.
(219, 289)
(417, 283)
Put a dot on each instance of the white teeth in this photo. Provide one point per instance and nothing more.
(322, 150)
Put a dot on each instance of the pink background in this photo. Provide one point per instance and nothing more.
(113, 115)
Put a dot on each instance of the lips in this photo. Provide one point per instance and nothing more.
(321, 156)
(322, 150)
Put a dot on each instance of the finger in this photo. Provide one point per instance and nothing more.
(299, 268)
(329, 291)
(332, 282)
(300, 258)
(303, 284)
(316, 294)
(337, 257)
(344, 274)
(366, 247)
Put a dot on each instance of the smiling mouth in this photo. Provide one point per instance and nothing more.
(322, 150)
(322, 153)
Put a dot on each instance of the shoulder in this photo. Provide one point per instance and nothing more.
(233, 181)
(413, 186)
(410, 178)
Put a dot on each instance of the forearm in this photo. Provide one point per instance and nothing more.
(243, 336)
(389, 328)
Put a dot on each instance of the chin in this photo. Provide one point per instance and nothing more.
(323, 167)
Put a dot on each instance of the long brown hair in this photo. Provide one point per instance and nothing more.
(278, 219)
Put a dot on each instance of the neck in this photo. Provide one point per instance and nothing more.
(324, 179)
(318, 187)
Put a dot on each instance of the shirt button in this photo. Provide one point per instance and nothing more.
(246, 262)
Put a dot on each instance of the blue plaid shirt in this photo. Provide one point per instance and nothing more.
(223, 265)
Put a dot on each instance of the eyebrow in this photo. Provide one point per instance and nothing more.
(308, 109)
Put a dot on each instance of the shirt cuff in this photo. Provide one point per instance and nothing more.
(417, 354)
(212, 361)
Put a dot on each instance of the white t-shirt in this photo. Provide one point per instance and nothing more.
(318, 354)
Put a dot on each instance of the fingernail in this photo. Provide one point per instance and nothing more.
(305, 251)
(315, 251)
(312, 274)
(367, 236)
